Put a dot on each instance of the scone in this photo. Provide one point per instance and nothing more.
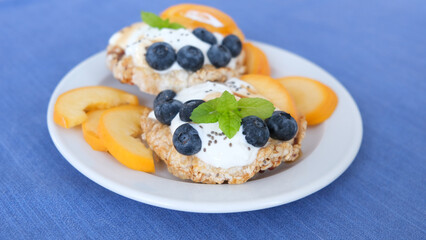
(157, 59)
(213, 157)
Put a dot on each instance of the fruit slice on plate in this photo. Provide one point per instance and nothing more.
(90, 130)
(256, 61)
(71, 107)
(120, 131)
(274, 91)
(313, 99)
(194, 15)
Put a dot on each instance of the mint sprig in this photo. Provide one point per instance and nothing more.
(206, 112)
(155, 21)
(229, 123)
(228, 111)
(255, 106)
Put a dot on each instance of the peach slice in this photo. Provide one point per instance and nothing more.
(71, 107)
(272, 90)
(120, 131)
(256, 61)
(313, 99)
(90, 130)
(194, 15)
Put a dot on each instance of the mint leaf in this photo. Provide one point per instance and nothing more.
(258, 107)
(155, 21)
(228, 112)
(226, 102)
(205, 112)
(152, 19)
(229, 123)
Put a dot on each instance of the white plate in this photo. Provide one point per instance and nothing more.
(328, 150)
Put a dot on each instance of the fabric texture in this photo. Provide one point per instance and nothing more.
(375, 48)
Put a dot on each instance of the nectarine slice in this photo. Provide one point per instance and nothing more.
(71, 107)
(313, 99)
(90, 130)
(274, 91)
(256, 61)
(120, 131)
(194, 15)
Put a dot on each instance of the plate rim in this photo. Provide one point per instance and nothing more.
(206, 207)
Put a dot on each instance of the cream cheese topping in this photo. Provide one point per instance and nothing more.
(216, 150)
(136, 38)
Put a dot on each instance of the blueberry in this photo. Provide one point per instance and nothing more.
(204, 35)
(186, 140)
(166, 111)
(160, 56)
(190, 58)
(233, 43)
(282, 126)
(219, 55)
(255, 130)
(187, 108)
(164, 96)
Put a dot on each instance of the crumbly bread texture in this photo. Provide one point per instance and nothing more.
(148, 80)
(159, 138)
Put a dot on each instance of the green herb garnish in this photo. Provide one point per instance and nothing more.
(228, 111)
(155, 21)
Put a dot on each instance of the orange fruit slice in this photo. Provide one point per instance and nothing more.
(194, 15)
(120, 131)
(90, 130)
(256, 61)
(313, 99)
(274, 91)
(71, 107)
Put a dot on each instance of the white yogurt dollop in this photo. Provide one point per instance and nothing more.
(135, 39)
(216, 150)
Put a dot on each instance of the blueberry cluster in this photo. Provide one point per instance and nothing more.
(161, 55)
(280, 126)
(186, 140)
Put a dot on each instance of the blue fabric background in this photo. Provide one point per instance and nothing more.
(375, 48)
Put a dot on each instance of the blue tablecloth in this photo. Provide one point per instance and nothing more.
(375, 48)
